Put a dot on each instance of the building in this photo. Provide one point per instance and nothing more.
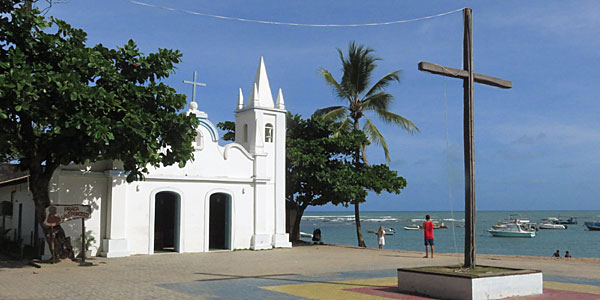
(228, 197)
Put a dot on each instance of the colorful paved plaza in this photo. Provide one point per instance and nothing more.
(306, 272)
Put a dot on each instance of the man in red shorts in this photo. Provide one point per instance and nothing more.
(428, 229)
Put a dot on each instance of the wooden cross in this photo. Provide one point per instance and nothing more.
(194, 84)
(468, 77)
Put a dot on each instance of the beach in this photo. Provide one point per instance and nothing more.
(323, 271)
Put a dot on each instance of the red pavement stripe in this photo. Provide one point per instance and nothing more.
(386, 292)
(391, 292)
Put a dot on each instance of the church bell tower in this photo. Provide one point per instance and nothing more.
(261, 129)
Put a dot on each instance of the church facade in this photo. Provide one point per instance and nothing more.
(229, 197)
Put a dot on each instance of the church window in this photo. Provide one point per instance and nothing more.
(245, 133)
(198, 141)
(269, 133)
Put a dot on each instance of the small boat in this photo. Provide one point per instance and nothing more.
(595, 226)
(440, 226)
(568, 221)
(388, 231)
(412, 227)
(551, 219)
(513, 230)
(306, 235)
(548, 225)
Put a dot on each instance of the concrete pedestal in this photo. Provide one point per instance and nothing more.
(261, 242)
(281, 240)
(462, 286)
(114, 248)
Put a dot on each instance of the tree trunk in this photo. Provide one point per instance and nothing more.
(359, 235)
(39, 182)
(296, 230)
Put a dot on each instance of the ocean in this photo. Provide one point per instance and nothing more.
(339, 228)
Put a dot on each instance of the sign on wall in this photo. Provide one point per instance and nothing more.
(56, 214)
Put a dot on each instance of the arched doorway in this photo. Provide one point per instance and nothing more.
(219, 229)
(166, 222)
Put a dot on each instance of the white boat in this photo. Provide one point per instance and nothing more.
(513, 230)
(388, 231)
(548, 225)
(412, 227)
(306, 235)
(511, 219)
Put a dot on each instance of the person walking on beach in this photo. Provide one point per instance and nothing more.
(381, 236)
(428, 229)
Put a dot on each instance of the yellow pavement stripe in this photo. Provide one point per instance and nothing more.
(584, 288)
(334, 290)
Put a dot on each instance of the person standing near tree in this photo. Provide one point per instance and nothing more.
(428, 229)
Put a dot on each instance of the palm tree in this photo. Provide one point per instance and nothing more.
(358, 67)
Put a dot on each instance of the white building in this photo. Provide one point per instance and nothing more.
(230, 197)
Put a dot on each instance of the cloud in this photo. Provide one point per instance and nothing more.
(513, 154)
(559, 18)
(420, 162)
(530, 140)
(564, 165)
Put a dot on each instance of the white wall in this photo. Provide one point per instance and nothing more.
(77, 187)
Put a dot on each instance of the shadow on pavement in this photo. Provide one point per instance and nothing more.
(274, 277)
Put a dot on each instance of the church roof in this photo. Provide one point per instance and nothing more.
(10, 174)
(261, 90)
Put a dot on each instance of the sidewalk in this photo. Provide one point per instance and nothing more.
(317, 272)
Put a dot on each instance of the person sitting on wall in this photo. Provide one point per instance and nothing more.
(556, 254)
(317, 237)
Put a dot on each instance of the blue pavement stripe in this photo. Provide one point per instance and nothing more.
(569, 279)
(246, 288)
(240, 287)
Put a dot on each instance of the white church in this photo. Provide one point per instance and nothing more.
(229, 197)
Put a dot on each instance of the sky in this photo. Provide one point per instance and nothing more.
(537, 145)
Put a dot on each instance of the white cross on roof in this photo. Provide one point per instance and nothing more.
(194, 83)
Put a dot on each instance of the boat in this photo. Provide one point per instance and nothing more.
(511, 219)
(440, 226)
(388, 231)
(568, 221)
(306, 235)
(412, 227)
(513, 230)
(548, 225)
(595, 226)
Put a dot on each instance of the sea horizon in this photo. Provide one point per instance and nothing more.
(338, 227)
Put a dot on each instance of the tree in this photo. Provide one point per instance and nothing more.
(321, 166)
(63, 102)
(354, 90)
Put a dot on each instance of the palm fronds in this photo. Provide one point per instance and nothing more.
(376, 137)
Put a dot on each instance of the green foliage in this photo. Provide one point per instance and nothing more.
(229, 128)
(322, 167)
(62, 101)
(90, 240)
(353, 89)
